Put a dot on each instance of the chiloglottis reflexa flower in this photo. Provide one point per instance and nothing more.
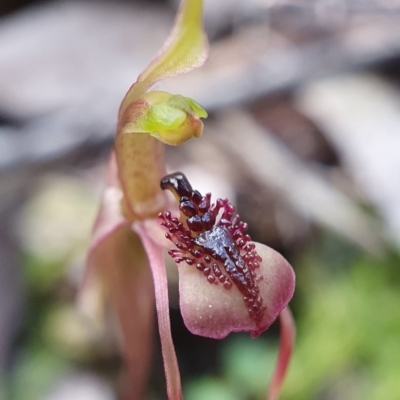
(227, 283)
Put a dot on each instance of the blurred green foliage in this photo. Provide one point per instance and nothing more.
(38, 365)
(39, 369)
(348, 327)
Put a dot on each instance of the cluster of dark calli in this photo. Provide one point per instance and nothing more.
(211, 238)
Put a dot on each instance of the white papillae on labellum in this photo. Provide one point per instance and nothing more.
(227, 283)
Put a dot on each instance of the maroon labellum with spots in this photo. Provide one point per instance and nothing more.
(236, 288)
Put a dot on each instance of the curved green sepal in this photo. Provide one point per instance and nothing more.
(185, 49)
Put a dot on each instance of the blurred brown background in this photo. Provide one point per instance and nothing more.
(303, 136)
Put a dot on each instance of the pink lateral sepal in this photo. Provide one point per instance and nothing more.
(288, 336)
(156, 259)
(117, 264)
(212, 311)
(109, 220)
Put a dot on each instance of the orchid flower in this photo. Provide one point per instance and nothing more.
(227, 283)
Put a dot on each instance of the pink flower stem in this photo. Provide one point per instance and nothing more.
(156, 260)
(288, 335)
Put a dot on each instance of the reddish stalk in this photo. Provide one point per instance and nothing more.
(288, 336)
